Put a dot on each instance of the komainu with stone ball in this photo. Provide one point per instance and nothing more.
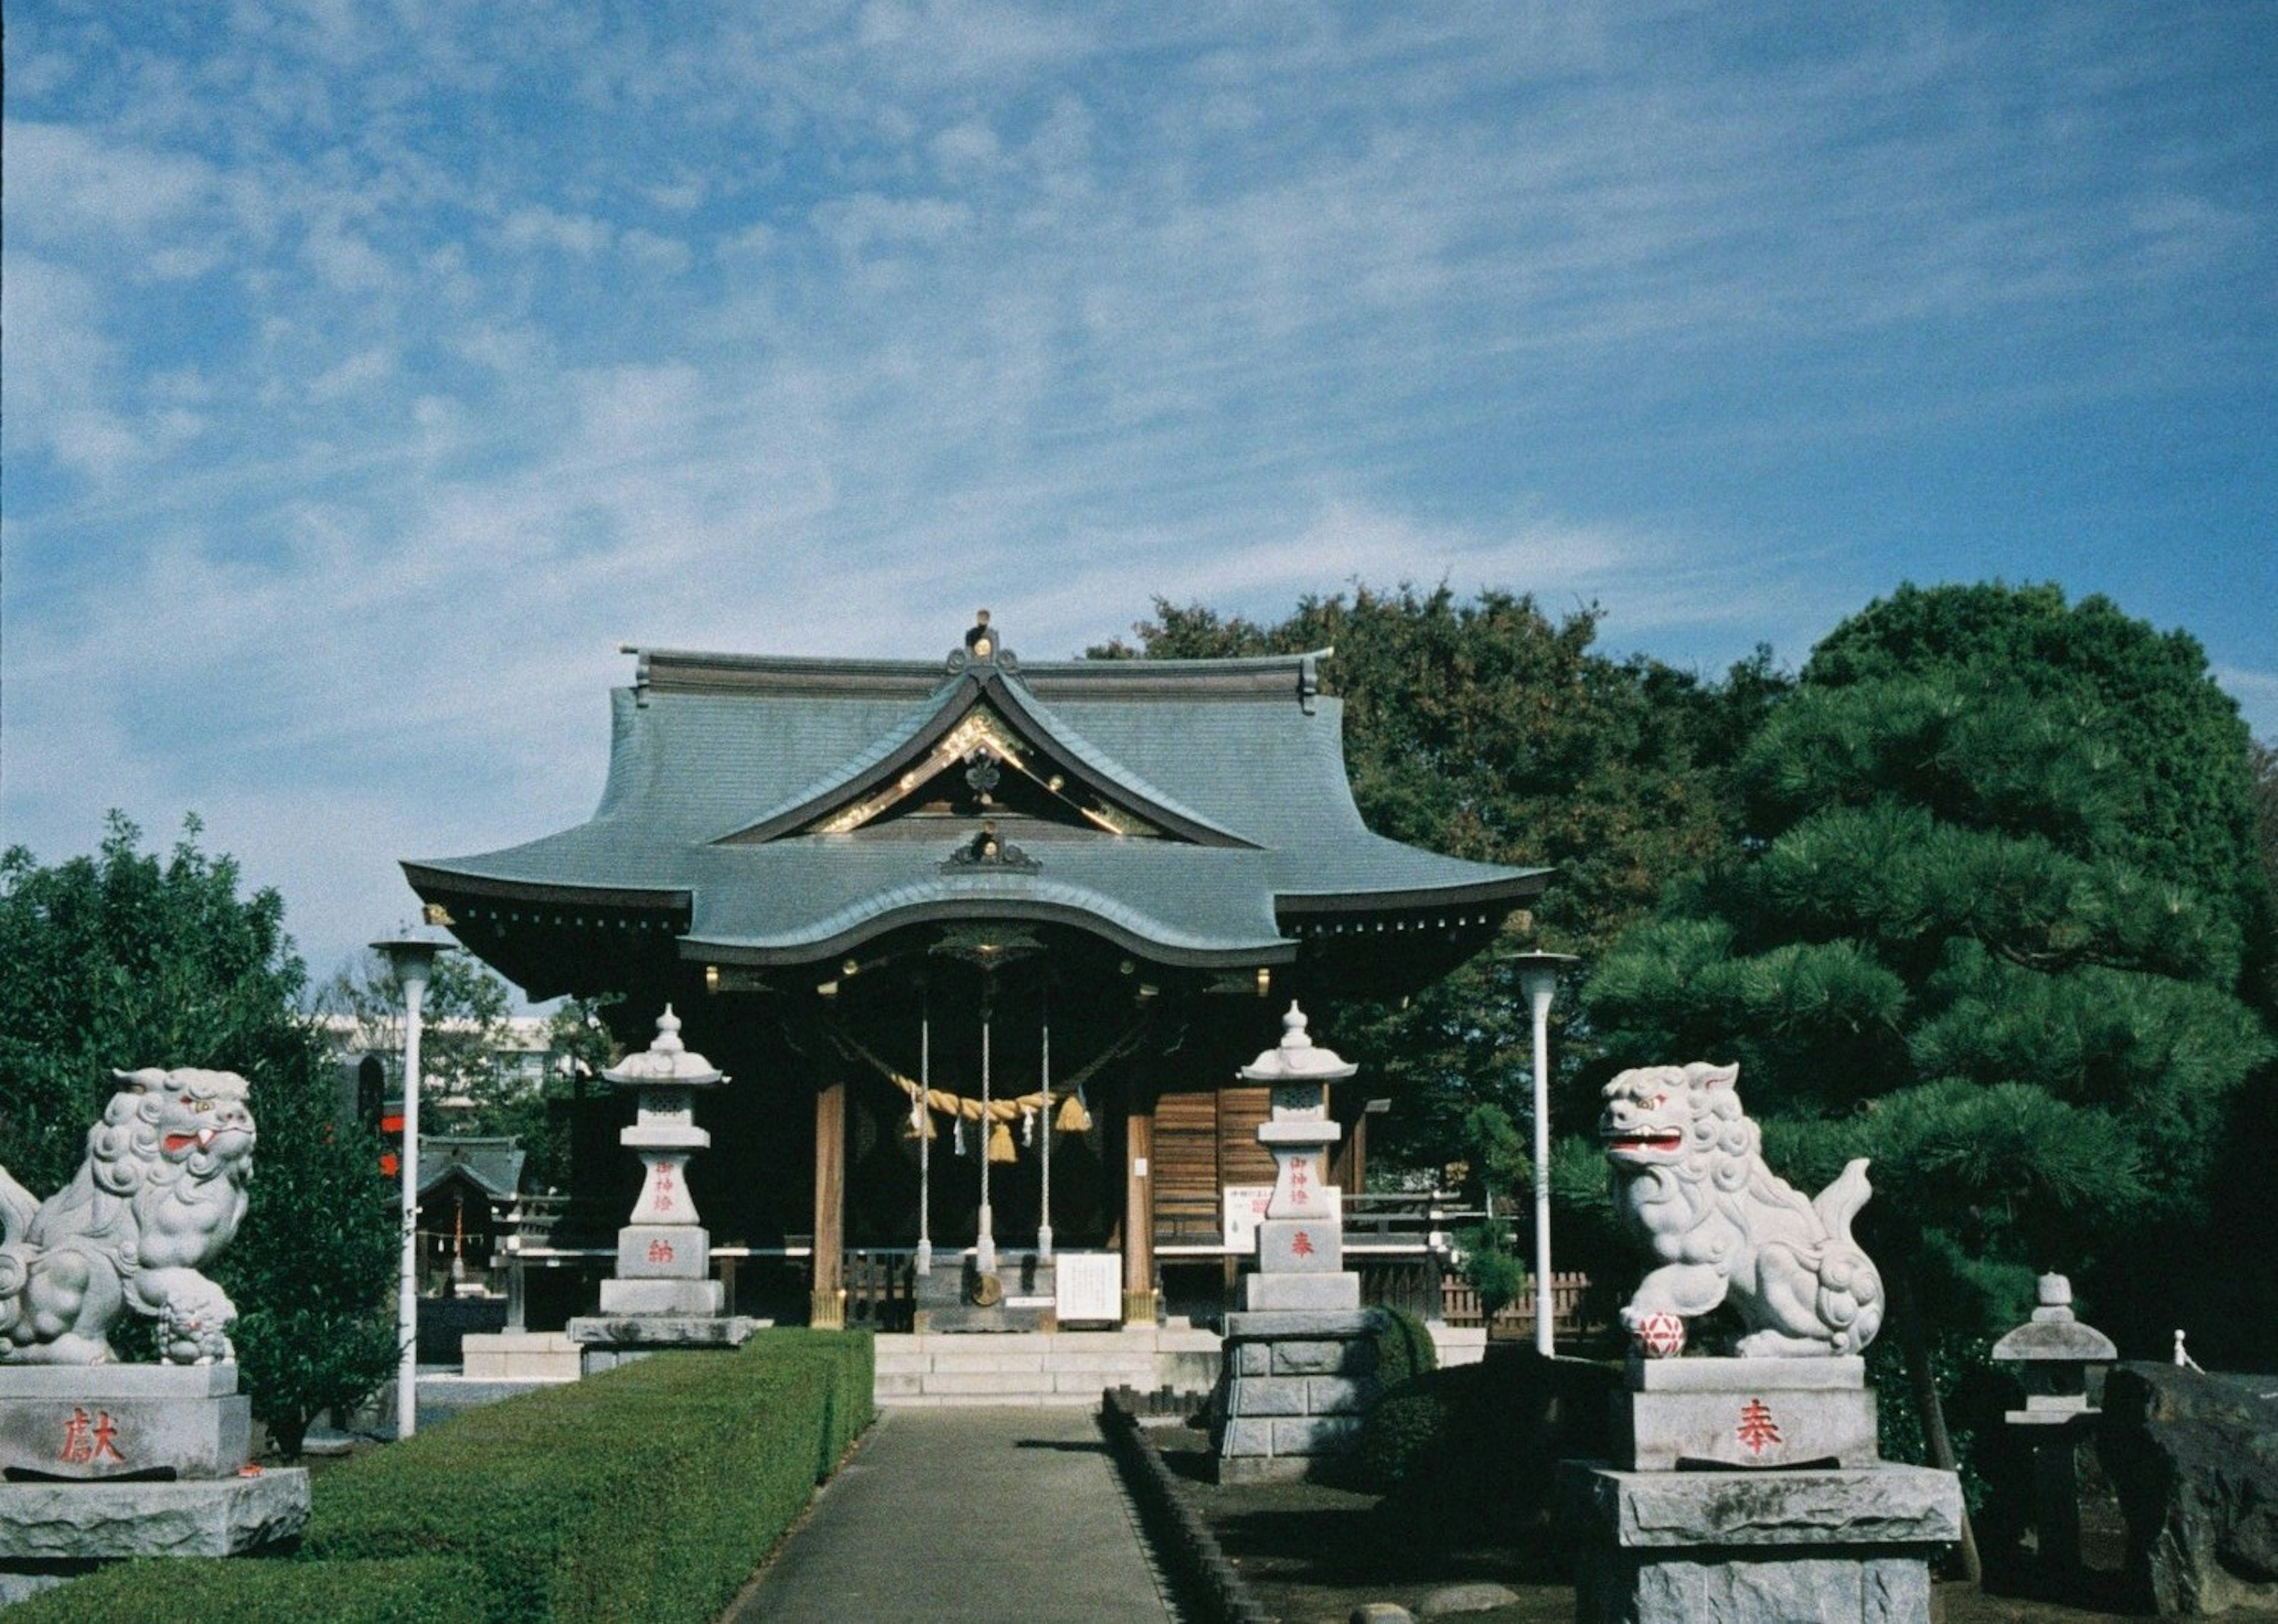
(1691, 1187)
(160, 1194)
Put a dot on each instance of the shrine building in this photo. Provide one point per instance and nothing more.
(980, 944)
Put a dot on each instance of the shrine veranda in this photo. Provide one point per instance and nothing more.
(1064, 902)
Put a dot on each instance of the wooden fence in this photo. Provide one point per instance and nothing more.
(1459, 1306)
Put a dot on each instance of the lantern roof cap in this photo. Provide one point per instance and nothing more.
(666, 1062)
(1298, 1058)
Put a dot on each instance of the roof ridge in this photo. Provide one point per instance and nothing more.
(706, 671)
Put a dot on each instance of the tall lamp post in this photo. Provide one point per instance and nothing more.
(411, 956)
(1537, 973)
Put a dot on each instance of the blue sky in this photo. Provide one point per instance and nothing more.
(372, 371)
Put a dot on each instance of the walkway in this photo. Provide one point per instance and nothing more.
(967, 1516)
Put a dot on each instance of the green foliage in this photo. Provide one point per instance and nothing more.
(2183, 799)
(1405, 1348)
(418, 1589)
(1962, 1368)
(651, 1492)
(1486, 730)
(463, 1036)
(1406, 1429)
(1491, 1267)
(1968, 936)
(124, 960)
(1473, 1450)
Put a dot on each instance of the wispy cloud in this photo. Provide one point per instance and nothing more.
(371, 374)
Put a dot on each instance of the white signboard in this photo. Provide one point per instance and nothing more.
(1088, 1286)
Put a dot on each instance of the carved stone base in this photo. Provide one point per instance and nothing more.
(1749, 1413)
(605, 1342)
(1292, 1389)
(100, 1423)
(673, 1297)
(65, 1522)
(1759, 1547)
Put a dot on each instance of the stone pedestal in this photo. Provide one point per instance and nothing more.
(605, 1341)
(1674, 1414)
(1752, 1489)
(96, 1423)
(1837, 1546)
(51, 1532)
(1293, 1387)
(109, 1461)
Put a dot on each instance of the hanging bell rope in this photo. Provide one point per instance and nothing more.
(1074, 1116)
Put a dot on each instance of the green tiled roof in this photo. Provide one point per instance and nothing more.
(1239, 761)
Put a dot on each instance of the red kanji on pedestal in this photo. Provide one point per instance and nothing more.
(1303, 1245)
(659, 1251)
(89, 1439)
(1757, 1429)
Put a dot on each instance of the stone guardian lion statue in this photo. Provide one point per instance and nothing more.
(1690, 1185)
(160, 1194)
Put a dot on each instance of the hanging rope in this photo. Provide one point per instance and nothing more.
(1074, 1117)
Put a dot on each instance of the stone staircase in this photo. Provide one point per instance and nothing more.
(1038, 1368)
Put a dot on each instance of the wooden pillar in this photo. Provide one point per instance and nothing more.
(1139, 1207)
(827, 1304)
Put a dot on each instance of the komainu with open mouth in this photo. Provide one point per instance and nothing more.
(1690, 1185)
(160, 1194)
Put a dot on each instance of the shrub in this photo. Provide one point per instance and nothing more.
(422, 1590)
(1404, 1348)
(1474, 1449)
(650, 1492)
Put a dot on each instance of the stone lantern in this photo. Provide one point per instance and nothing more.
(1298, 1363)
(663, 1293)
(2057, 1354)
(1301, 1241)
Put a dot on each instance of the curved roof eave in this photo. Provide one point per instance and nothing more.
(442, 875)
(1522, 886)
(1118, 923)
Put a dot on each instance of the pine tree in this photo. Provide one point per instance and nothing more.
(1949, 945)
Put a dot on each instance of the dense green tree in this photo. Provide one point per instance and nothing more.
(122, 959)
(1947, 944)
(1486, 730)
(2185, 807)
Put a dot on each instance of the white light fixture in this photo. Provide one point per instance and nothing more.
(1537, 973)
(411, 956)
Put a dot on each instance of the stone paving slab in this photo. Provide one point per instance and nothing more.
(964, 1516)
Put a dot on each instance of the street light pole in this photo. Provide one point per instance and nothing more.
(1537, 973)
(411, 956)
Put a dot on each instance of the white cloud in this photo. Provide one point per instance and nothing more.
(2257, 693)
(382, 404)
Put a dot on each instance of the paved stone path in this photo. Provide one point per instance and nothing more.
(967, 1516)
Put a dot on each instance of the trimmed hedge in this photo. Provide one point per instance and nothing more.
(651, 1492)
(249, 1590)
